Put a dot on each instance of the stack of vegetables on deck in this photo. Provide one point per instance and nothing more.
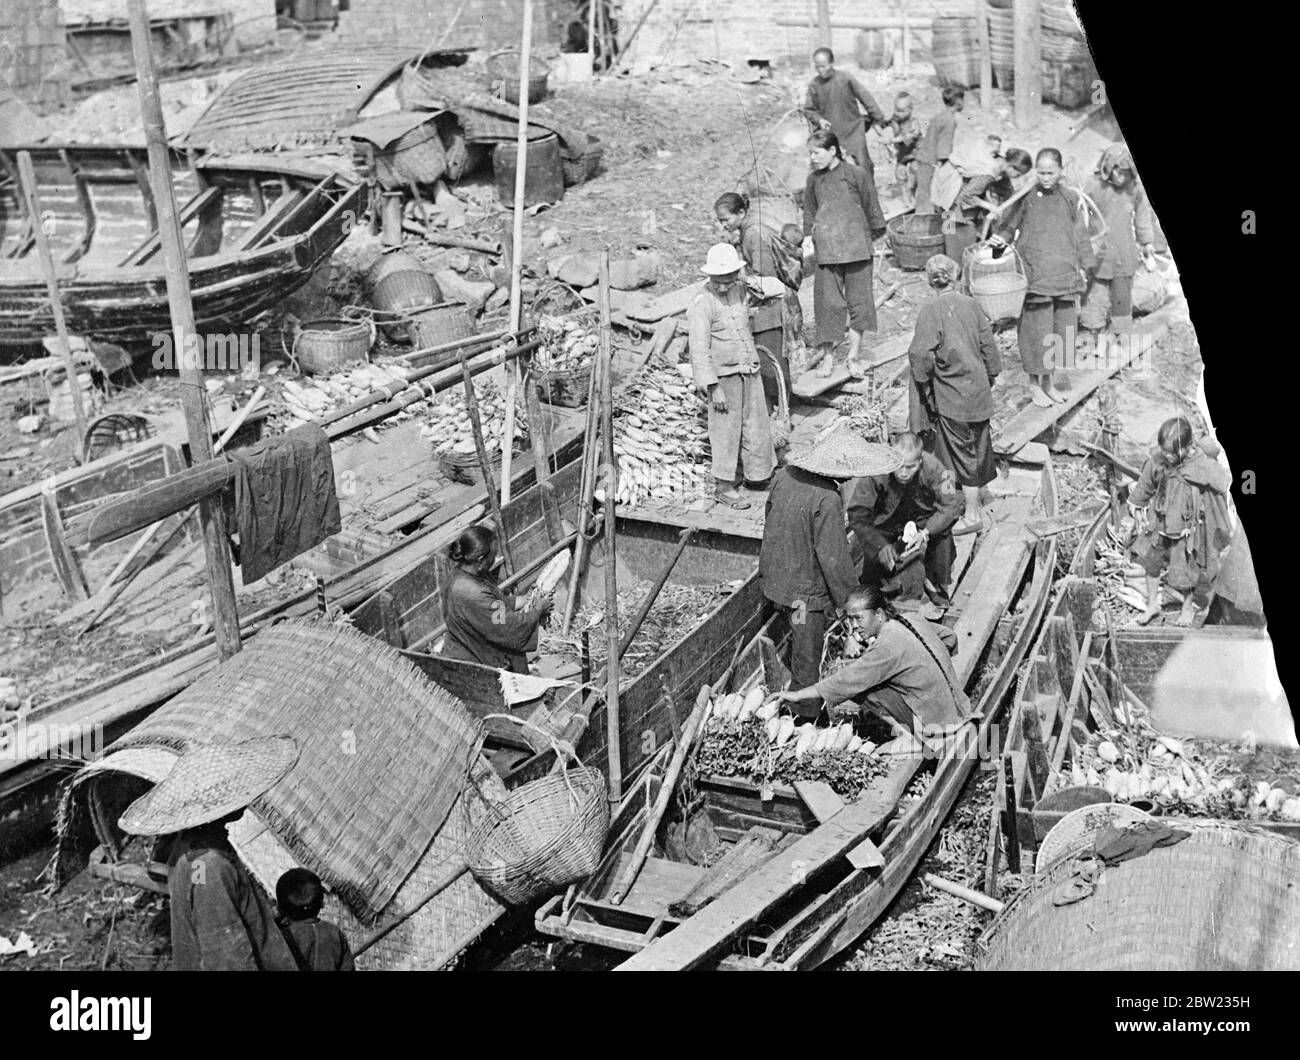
(448, 425)
(1205, 778)
(313, 396)
(747, 736)
(661, 439)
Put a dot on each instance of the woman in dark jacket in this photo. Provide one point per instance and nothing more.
(841, 213)
(1050, 229)
(485, 625)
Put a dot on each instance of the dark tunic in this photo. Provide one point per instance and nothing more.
(954, 357)
(910, 665)
(1187, 509)
(483, 625)
(841, 212)
(221, 920)
(323, 946)
(764, 251)
(936, 144)
(909, 135)
(836, 100)
(1051, 232)
(880, 506)
(1129, 225)
(805, 553)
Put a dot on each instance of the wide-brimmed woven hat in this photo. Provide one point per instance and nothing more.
(841, 453)
(722, 261)
(210, 781)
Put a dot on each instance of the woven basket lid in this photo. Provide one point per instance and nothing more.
(841, 453)
(1077, 830)
(208, 782)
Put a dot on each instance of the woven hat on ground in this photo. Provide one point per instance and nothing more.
(841, 453)
(942, 267)
(722, 261)
(209, 782)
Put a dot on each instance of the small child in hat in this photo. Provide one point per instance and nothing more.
(725, 365)
(317, 945)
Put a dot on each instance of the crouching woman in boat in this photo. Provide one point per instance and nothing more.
(1180, 503)
(904, 673)
(484, 624)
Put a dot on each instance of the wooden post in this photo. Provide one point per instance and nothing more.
(906, 42)
(194, 396)
(823, 23)
(489, 487)
(27, 180)
(610, 481)
(591, 35)
(1109, 442)
(1028, 63)
(517, 250)
(986, 55)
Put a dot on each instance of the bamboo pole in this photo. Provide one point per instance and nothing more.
(591, 35)
(585, 485)
(490, 487)
(986, 55)
(27, 178)
(212, 518)
(517, 249)
(610, 476)
(824, 23)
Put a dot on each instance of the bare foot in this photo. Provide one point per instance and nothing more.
(1147, 616)
(1186, 617)
(1041, 400)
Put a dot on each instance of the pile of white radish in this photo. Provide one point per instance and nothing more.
(1170, 774)
(783, 732)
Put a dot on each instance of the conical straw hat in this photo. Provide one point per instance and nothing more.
(210, 781)
(841, 453)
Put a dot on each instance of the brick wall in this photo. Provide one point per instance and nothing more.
(488, 24)
(678, 30)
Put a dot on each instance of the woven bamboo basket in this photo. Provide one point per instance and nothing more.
(1077, 830)
(998, 286)
(416, 157)
(390, 262)
(465, 468)
(915, 239)
(503, 71)
(1224, 899)
(325, 346)
(565, 387)
(440, 324)
(401, 293)
(578, 169)
(547, 834)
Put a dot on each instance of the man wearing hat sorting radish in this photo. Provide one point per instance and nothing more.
(220, 919)
(724, 361)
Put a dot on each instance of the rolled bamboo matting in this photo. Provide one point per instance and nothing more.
(1227, 898)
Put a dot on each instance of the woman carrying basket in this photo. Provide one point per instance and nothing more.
(485, 625)
(1050, 228)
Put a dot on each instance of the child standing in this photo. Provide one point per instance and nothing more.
(725, 365)
(1130, 231)
(1181, 505)
(936, 145)
(905, 138)
(317, 945)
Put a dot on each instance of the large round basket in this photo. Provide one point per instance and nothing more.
(1223, 899)
(578, 169)
(416, 157)
(399, 294)
(915, 239)
(388, 263)
(547, 834)
(1077, 830)
(465, 468)
(566, 387)
(325, 346)
(503, 70)
(440, 324)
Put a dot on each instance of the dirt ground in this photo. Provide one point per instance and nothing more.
(674, 142)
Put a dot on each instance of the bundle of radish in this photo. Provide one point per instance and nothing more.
(310, 397)
(566, 342)
(749, 736)
(661, 438)
(447, 424)
(549, 580)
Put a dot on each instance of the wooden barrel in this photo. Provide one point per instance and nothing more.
(1069, 84)
(543, 172)
(955, 50)
(874, 49)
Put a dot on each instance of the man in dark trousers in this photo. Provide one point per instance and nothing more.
(954, 360)
(805, 565)
(833, 98)
(918, 496)
(220, 919)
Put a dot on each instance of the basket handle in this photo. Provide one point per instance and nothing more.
(558, 746)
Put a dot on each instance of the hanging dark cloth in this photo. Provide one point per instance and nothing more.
(284, 499)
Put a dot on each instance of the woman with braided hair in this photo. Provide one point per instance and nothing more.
(903, 674)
